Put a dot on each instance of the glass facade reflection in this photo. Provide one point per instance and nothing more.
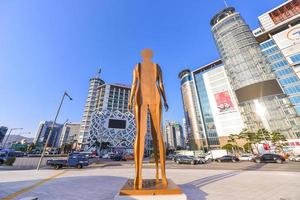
(207, 115)
(245, 65)
(287, 77)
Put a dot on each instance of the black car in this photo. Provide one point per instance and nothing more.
(186, 160)
(227, 158)
(117, 157)
(269, 158)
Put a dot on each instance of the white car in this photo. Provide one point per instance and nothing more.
(246, 157)
(297, 158)
(108, 155)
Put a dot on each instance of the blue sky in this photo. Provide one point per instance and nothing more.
(47, 47)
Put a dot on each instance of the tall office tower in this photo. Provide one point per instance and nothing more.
(43, 132)
(69, 134)
(279, 38)
(179, 137)
(260, 97)
(196, 136)
(3, 131)
(217, 102)
(185, 132)
(112, 97)
(89, 108)
(169, 136)
(174, 135)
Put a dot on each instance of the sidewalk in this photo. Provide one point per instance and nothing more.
(104, 183)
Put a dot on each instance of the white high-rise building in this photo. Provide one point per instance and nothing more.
(69, 134)
(174, 135)
(89, 108)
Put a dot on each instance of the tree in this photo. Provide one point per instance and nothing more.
(234, 145)
(30, 147)
(262, 134)
(277, 138)
(250, 138)
(66, 148)
(247, 147)
(228, 147)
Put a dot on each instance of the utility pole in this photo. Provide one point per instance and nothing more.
(51, 129)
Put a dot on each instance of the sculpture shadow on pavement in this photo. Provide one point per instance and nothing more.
(100, 187)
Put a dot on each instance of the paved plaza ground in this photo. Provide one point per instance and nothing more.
(103, 183)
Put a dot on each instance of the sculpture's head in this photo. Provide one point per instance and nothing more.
(147, 54)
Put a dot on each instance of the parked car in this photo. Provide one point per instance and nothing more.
(214, 154)
(176, 156)
(74, 160)
(108, 156)
(292, 158)
(295, 158)
(227, 158)
(117, 157)
(51, 151)
(200, 160)
(269, 158)
(170, 156)
(246, 157)
(5, 154)
(128, 157)
(186, 160)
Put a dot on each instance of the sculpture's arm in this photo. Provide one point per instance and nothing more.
(133, 89)
(162, 88)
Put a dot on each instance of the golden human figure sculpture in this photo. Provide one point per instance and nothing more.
(146, 92)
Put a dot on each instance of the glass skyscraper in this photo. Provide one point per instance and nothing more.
(195, 132)
(261, 98)
(207, 115)
(210, 104)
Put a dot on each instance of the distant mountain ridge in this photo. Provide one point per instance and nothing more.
(16, 138)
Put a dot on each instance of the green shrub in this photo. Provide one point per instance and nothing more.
(10, 161)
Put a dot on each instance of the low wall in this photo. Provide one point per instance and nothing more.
(32, 162)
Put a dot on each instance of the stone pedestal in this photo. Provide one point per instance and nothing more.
(151, 190)
(152, 197)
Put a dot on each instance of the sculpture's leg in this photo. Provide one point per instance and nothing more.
(140, 145)
(156, 117)
(137, 145)
(155, 147)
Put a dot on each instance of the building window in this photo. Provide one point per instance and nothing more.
(279, 64)
(267, 44)
(271, 50)
(284, 72)
(275, 57)
(291, 90)
(289, 80)
(185, 79)
(295, 100)
(295, 58)
(298, 109)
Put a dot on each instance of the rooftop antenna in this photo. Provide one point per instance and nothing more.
(99, 72)
(225, 2)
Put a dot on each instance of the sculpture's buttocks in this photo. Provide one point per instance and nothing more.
(148, 84)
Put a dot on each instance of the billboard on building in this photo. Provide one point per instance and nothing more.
(224, 102)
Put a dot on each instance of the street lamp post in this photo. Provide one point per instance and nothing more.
(12, 129)
(51, 129)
